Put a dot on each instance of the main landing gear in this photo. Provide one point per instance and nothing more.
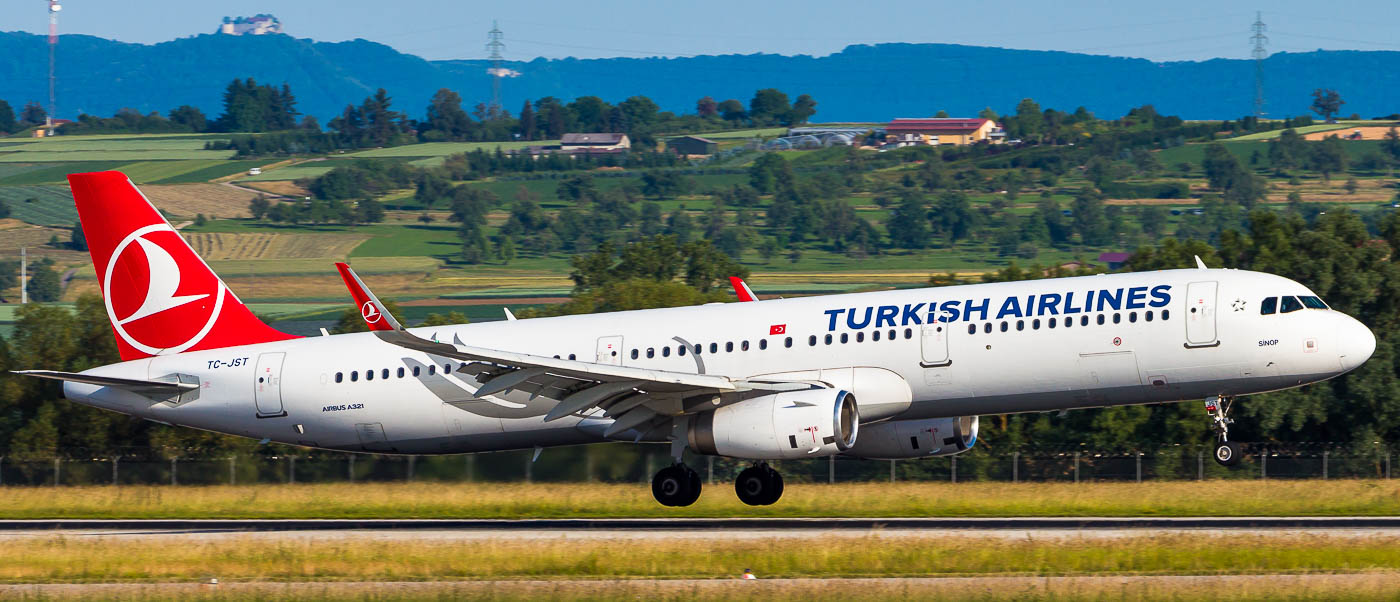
(1227, 452)
(676, 485)
(759, 485)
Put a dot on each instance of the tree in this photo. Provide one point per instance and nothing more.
(988, 114)
(1220, 165)
(188, 116)
(43, 282)
(908, 224)
(527, 122)
(1326, 102)
(705, 107)
(767, 171)
(369, 211)
(769, 106)
(33, 114)
(1090, 219)
(259, 207)
(732, 110)
(8, 124)
(802, 110)
(1328, 157)
(1029, 120)
(446, 117)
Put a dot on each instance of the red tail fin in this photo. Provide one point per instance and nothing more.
(161, 297)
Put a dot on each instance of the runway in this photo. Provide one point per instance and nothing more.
(701, 528)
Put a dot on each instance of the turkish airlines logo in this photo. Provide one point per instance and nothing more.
(370, 313)
(170, 317)
(777, 329)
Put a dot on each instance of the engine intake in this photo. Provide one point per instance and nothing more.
(798, 424)
(899, 439)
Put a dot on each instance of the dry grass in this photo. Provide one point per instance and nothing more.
(58, 559)
(213, 200)
(518, 500)
(1380, 586)
(285, 188)
(216, 246)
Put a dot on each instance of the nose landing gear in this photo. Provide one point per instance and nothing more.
(759, 485)
(1227, 452)
(676, 485)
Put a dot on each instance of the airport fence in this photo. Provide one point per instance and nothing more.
(619, 464)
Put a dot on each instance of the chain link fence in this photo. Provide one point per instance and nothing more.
(621, 464)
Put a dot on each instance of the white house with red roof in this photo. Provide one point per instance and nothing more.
(935, 131)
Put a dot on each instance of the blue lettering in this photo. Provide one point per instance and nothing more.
(1010, 307)
(1030, 306)
(833, 314)
(911, 313)
(1160, 298)
(1088, 302)
(1136, 295)
(1113, 299)
(851, 319)
(950, 311)
(980, 309)
(1069, 304)
(886, 315)
(1049, 304)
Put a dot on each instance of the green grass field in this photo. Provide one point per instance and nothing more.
(1245, 149)
(442, 149)
(1307, 129)
(43, 205)
(111, 155)
(579, 500)
(54, 173)
(236, 268)
(293, 172)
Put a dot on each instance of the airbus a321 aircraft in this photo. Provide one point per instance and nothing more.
(891, 374)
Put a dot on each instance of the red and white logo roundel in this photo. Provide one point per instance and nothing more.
(154, 307)
(370, 313)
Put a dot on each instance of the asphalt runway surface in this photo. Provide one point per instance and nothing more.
(702, 528)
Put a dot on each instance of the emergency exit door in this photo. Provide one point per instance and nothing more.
(935, 345)
(267, 386)
(1200, 314)
(610, 350)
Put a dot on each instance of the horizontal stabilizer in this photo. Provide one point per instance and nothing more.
(148, 388)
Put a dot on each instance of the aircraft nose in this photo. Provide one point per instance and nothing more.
(1357, 343)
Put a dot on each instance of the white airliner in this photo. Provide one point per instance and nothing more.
(892, 374)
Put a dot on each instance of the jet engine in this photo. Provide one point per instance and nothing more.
(798, 424)
(899, 439)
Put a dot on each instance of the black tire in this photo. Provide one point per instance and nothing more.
(753, 486)
(694, 487)
(1227, 453)
(775, 486)
(671, 486)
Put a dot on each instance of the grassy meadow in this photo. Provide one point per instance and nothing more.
(518, 500)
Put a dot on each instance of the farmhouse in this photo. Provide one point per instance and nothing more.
(936, 131)
(692, 145)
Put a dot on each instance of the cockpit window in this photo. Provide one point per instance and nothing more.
(1312, 302)
(1268, 306)
(1290, 304)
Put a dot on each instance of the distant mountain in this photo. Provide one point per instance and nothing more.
(860, 83)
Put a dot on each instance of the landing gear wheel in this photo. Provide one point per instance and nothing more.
(759, 485)
(1227, 453)
(677, 485)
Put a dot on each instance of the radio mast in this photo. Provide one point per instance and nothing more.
(1259, 40)
(495, 46)
(54, 7)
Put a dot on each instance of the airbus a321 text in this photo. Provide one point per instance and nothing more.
(891, 374)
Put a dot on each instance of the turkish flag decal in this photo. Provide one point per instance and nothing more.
(777, 329)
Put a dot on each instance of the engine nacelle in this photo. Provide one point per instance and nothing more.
(797, 424)
(899, 439)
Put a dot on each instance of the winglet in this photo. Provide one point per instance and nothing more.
(741, 289)
(376, 316)
(1200, 264)
(509, 316)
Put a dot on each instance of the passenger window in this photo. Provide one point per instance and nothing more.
(369, 375)
(743, 345)
(447, 368)
(971, 329)
(1083, 320)
(1132, 316)
(729, 347)
(1100, 320)
(860, 337)
(893, 335)
(400, 372)
(908, 333)
(828, 339)
(339, 376)
(1020, 325)
(1147, 315)
(666, 351)
(384, 374)
(1290, 304)
(844, 337)
(763, 344)
(875, 336)
(812, 340)
(698, 347)
(431, 371)
(714, 347)
(419, 370)
(1117, 318)
(1069, 322)
(787, 342)
(651, 352)
(1003, 325)
(1166, 314)
(354, 376)
(1268, 306)
(1052, 322)
(1312, 302)
(1035, 324)
(987, 328)
(572, 356)
(680, 350)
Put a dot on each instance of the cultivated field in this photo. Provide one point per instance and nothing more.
(218, 246)
(43, 205)
(569, 500)
(188, 200)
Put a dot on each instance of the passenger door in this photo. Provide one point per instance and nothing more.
(267, 386)
(610, 350)
(935, 345)
(1200, 314)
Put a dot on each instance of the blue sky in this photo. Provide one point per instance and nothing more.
(444, 29)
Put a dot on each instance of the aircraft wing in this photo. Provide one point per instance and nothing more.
(635, 397)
